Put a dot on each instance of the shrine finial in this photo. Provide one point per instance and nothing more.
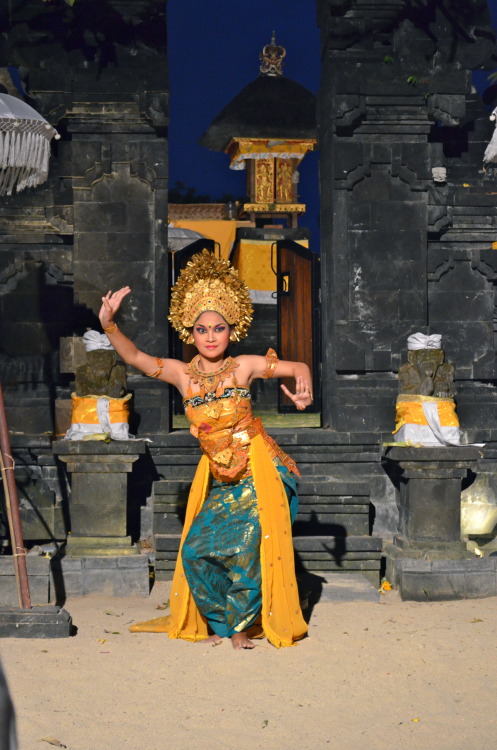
(271, 58)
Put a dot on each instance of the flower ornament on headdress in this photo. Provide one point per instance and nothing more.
(208, 283)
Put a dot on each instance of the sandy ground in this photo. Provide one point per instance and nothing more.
(371, 675)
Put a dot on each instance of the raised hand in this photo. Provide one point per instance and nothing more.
(303, 393)
(111, 304)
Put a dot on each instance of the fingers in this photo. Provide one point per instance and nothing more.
(303, 393)
(296, 398)
(302, 387)
(119, 293)
(114, 299)
(111, 303)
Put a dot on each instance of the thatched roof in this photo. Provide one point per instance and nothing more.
(269, 107)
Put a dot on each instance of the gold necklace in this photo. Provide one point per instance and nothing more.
(210, 382)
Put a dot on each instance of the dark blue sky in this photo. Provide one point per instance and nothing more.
(213, 53)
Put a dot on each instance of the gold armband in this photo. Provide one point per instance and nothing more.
(271, 362)
(158, 371)
(111, 329)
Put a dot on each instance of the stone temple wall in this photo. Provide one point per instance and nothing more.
(404, 250)
(98, 73)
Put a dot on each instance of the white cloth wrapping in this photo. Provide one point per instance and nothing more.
(94, 340)
(490, 155)
(430, 434)
(424, 341)
(439, 174)
(443, 435)
(423, 435)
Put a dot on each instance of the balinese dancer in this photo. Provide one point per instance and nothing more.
(235, 575)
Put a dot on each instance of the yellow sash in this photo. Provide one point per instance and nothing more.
(282, 619)
(409, 410)
(84, 409)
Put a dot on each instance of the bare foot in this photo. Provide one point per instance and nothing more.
(212, 640)
(240, 640)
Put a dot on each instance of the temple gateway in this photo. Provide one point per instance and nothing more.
(399, 458)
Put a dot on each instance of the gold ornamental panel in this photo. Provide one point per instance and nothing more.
(284, 184)
(264, 180)
(275, 208)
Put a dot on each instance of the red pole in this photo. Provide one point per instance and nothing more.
(15, 526)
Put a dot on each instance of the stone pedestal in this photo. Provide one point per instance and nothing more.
(98, 507)
(427, 560)
(430, 498)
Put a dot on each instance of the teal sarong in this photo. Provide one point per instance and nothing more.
(221, 557)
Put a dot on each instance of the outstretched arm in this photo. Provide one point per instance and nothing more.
(252, 367)
(171, 370)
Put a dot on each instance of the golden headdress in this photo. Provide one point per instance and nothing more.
(209, 283)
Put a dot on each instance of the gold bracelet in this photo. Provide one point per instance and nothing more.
(111, 329)
(271, 362)
(158, 371)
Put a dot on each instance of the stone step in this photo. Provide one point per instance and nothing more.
(313, 522)
(359, 553)
(168, 520)
(321, 485)
(190, 458)
(177, 472)
(313, 517)
(166, 543)
(354, 543)
(358, 504)
(164, 569)
(304, 545)
(338, 470)
(332, 500)
(338, 586)
(38, 568)
(305, 439)
(331, 469)
(170, 487)
(313, 565)
(320, 556)
(331, 486)
(330, 456)
(307, 455)
(342, 524)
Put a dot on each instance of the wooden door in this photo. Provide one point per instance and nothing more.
(298, 313)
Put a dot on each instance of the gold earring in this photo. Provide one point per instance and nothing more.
(233, 336)
(189, 340)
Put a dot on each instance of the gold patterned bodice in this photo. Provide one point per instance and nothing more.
(224, 426)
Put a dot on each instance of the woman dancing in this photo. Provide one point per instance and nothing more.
(235, 575)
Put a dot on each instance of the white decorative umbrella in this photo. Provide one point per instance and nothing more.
(24, 145)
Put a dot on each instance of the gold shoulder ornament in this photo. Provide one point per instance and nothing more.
(209, 283)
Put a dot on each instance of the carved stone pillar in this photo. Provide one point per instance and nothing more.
(98, 505)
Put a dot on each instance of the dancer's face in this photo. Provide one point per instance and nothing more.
(211, 334)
